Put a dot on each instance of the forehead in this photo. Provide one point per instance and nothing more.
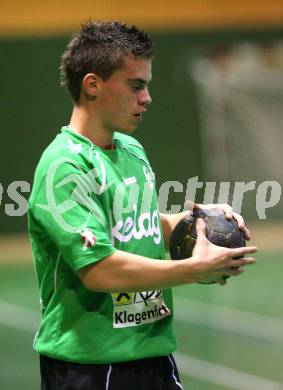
(134, 68)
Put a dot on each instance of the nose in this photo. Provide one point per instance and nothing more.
(144, 97)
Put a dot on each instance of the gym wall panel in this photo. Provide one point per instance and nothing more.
(33, 17)
(34, 107)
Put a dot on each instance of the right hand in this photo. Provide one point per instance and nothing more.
(213, 262)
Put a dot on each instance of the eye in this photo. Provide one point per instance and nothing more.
(137, 87)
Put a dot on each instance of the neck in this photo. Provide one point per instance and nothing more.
(82, 122)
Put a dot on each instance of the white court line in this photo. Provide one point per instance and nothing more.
(21, 318)
(228, 319)
(224, 376)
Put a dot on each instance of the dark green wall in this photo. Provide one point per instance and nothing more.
(34, 107)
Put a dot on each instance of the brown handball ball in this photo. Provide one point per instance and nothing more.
(219, 230)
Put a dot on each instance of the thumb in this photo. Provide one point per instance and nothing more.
(200, 229)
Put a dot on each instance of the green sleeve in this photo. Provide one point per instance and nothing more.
(69, 207)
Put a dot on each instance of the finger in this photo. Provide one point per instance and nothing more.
(228, 211)
(241, 224)
(243, 251)
(190, 205)
(240, 220)
(200, 229)
(242, 262)
(247, 234)
(234, 271)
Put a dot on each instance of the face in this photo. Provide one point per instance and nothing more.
(124, 97)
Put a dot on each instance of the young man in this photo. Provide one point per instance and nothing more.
(97, 235)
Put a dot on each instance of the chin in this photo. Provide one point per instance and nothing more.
(128, 130)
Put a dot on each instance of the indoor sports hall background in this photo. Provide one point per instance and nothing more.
(216, 118)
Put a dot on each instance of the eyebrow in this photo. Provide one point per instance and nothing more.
(142, 81)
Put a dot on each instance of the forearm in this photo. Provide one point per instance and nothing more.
(124, 271)
(168, 222)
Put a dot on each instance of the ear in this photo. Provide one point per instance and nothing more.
(91, 85)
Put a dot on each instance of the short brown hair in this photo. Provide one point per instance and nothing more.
(99, 47)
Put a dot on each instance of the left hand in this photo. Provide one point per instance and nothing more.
(229, 214)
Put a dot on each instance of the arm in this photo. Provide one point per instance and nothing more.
(124, 271)
(168, 223)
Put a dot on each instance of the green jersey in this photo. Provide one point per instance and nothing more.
(86, 203)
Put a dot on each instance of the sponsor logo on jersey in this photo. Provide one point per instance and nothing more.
(133, 309)
(146, 225)
(88, 238)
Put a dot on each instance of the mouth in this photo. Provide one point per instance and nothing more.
(138, 116)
